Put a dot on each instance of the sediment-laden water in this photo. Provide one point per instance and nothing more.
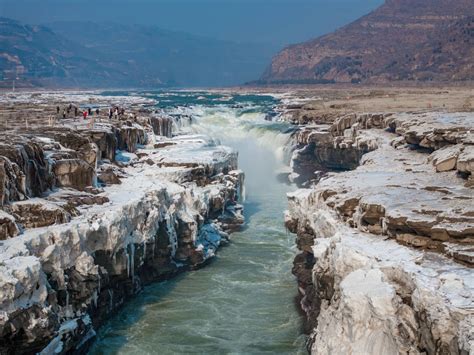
(244, 301)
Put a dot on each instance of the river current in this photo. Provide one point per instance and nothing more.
(243, 302)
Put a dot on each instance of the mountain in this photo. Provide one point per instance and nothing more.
(86, 54)
(403, 40)
(176, 58)
(36, 56)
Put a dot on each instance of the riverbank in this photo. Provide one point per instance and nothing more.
(94, 213)
(385, 224)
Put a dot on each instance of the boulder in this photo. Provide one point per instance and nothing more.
(445, 158)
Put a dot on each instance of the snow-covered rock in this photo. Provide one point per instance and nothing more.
(169, 214)
(386, 249)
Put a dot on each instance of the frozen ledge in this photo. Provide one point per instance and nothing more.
(387, 248)
(378, 297)
(170, 213)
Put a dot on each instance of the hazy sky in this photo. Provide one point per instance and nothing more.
(279, 22)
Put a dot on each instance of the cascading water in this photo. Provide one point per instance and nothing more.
(244, 301)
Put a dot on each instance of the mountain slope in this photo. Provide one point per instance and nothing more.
(85, 54)
(420, 40)
(174, 57)
(36, 56)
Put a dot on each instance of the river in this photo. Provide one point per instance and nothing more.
(243, 302)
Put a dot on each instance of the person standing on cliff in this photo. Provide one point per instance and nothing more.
(75, 111)
(84, 115)
(64, 114)
(89, 111)
(57, 109)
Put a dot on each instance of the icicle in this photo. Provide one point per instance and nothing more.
(111, 300)
(128, 261)
(132, 260)
(95, 298)
(224, 202)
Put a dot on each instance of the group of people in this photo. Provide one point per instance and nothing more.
(69, 109)
(115, 112)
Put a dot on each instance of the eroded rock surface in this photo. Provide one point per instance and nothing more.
(387, 248)
(91, 215)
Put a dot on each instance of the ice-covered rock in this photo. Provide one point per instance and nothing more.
(75, 173)
(368, 295)
(387, 248)
(82, 254)
(162, 126)
(34, 213)
(8, 226)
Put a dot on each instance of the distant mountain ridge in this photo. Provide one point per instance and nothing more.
(36, 56)
(403, 40)
(86, 54)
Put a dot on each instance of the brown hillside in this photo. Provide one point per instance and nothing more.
(424, 40)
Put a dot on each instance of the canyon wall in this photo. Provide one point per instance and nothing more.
(386, 242)
(91, 215)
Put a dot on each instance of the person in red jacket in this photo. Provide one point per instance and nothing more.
(84, 114)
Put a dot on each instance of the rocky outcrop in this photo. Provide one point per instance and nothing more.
(74, 255)
(392, 298)
(35, 213)
(450, 138)
(106, 141)
(37, 161)
(8, 226)
(24, 170)
(387, 248)
(417, 40)
(74, 173)
(129, 136)
(336, 147)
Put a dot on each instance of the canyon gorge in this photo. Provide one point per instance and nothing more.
(333, 221)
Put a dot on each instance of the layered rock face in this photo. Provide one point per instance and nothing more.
(387, 248)
(336, 147)
(416, 40)
(75, 248)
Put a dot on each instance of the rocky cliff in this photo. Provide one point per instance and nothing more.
(419, 40)
(387, 242)
(89, 215)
